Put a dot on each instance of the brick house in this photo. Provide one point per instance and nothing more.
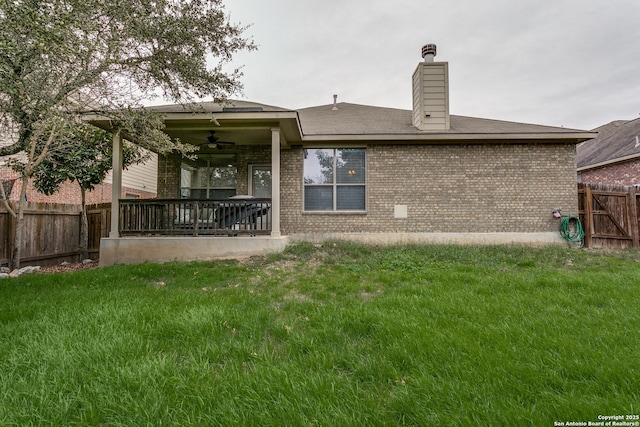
(139, 182)
(349, 171)
(613, 157)
(69, 193)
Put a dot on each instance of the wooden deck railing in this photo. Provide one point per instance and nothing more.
(229, 217)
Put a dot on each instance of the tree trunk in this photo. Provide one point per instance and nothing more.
(16, 253)
(84, 227)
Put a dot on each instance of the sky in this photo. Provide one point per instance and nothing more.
(571, 63)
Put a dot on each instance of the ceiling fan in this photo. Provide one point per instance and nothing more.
(214, 142)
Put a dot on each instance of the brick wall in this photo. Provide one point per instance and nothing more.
(446, 188)
(169, 177)
(627, 173)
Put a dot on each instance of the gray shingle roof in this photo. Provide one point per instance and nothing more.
(615, 140)
(354, 119)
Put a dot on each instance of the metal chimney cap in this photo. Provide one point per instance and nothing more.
(428, 52)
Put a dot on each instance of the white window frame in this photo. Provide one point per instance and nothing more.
(334, 185)
(252, 166)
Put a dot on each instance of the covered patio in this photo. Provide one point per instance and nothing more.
(224, 203)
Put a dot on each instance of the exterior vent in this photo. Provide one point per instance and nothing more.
(429, 52)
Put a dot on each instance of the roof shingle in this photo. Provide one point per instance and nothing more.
(615, 140)
(355, 119)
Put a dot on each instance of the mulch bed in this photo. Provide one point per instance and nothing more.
(74, 266)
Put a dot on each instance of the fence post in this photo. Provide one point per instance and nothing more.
(588, 217)
(4, 240)
(11, 227)
(104, 229)
(633, 217)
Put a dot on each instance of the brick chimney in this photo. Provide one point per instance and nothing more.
(431, 92)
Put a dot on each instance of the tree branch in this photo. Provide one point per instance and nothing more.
(5, 200)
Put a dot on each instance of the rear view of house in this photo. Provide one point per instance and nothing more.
(351, 171)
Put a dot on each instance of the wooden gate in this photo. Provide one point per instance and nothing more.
(609, 215)
(99, 221)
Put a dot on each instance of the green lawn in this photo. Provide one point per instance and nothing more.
(328, 335)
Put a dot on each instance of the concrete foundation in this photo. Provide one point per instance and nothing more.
(133, 250)
(530, 239)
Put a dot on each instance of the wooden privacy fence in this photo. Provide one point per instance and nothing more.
(52, 232)
(609, 215)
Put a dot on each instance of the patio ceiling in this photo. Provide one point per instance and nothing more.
(242, 128)
(239, 136)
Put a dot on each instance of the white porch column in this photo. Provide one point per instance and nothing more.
(275, 182)
(116, 184)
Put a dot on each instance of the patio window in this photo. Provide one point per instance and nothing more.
(334, 179)
(211, 176)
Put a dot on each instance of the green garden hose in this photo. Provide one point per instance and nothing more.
(572, 234)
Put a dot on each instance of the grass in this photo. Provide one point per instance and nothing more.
(324, 335)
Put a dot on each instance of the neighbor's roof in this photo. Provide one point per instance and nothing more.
(617, 141)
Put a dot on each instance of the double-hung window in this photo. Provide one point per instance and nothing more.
(334, 179)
